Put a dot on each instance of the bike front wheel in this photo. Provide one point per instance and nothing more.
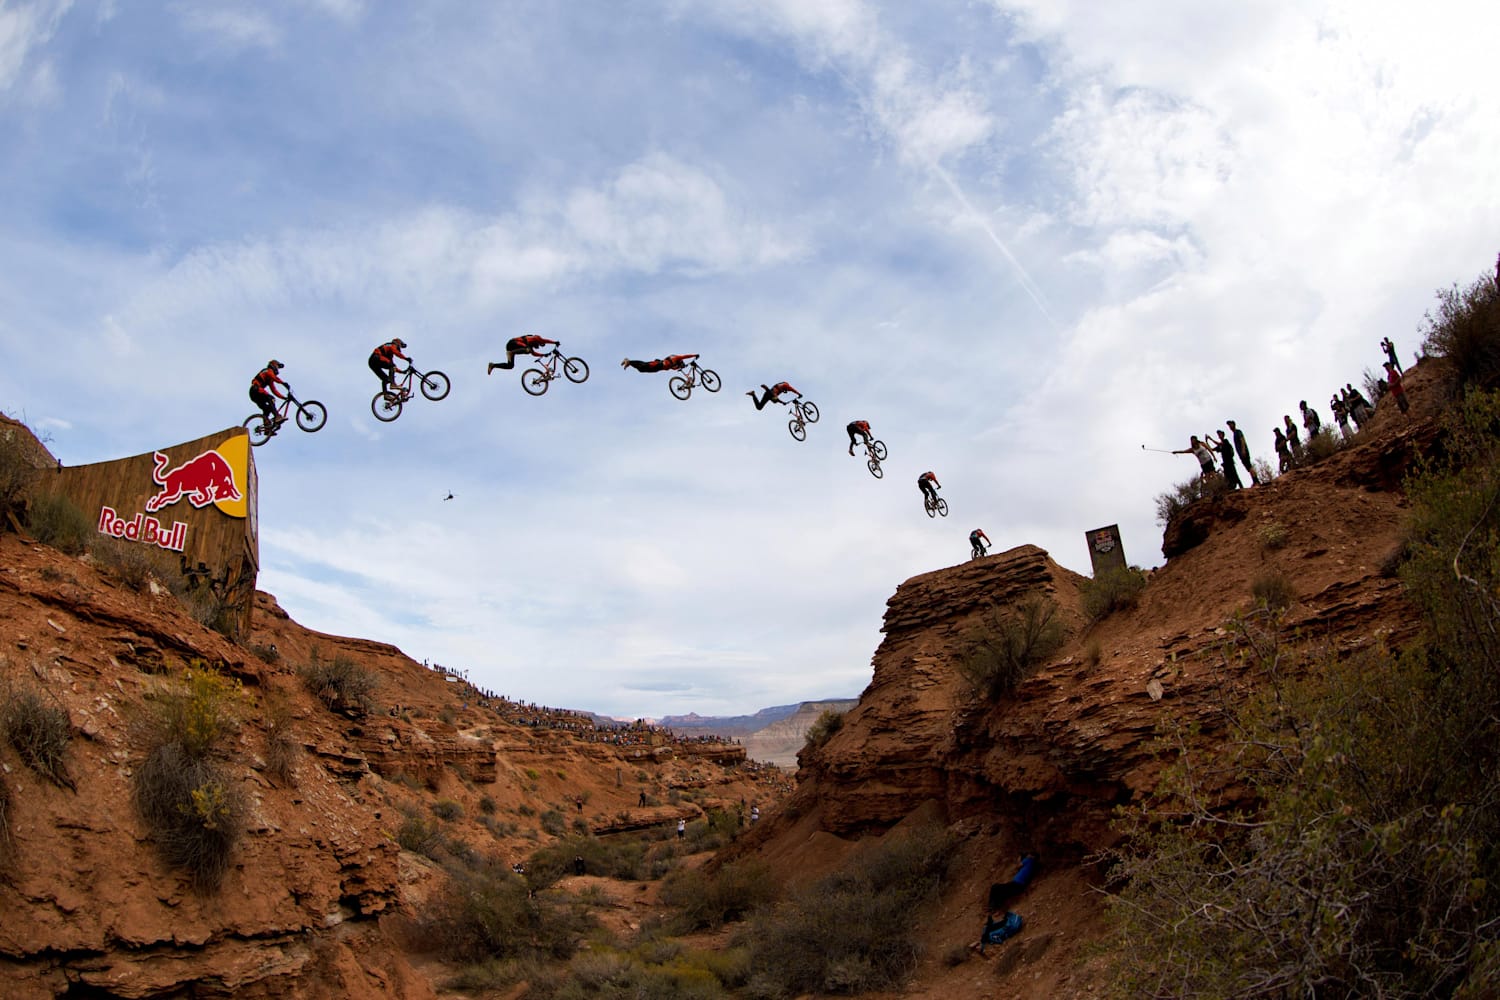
(878, 447)
(259, 428)
(875, 469)
(534, 381)
(680, 387)
(941, 507)
(810, 412)
(311, 416)
(710, 379)
(798, 430)
(385, 407)
(435, 386)
(576, 369)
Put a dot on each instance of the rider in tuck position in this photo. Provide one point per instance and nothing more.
(860, 428)
(383, 361)
(526, 344)
(672, 362)
(263, 391)
(929, 486)
(975, 546)
(773, 394)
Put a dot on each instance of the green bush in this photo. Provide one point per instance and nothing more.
(447, 809)
(340, 684)
(555, 822)
(1272, 589)
(1273, 536)
(1363, 860)
(1181, 496)
(854, 930)
(1466, 331)
(56, 521)
(39, 731)
(1113, 590)
(1320, 446)
(193, 810)
(195, 710)
(999, 653)
(487, 805)
(419, 837)
(823, 728)
(489, 913)
(17, 476)
(730, 893)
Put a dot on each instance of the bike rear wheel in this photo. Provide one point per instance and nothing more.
(878, 447)
(798, 430)
(680, 387)
(435, 386)
(576, 369)
(311, 415)
(534, 381)
(875, 469)
(385, 407)
(710, 379)
(260, 429)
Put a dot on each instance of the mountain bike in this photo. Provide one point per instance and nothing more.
(388, 402)
(534, 380)
(681, 386)
(875, 454)
(976, 549)
(934, 506)
(804, 412)
(311, 416)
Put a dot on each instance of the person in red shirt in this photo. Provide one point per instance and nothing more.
(263, 391)
(672, 362)
(526, 344)
(860, 428)
(929, 486)
(383, 361)
(975, 546)
(1393, 380)
(773, 394)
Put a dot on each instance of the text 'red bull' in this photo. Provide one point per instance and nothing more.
(144, 529)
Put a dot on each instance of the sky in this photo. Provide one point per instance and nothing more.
(1025, 239)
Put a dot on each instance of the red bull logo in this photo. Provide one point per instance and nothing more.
(143, 529)
(204, 479)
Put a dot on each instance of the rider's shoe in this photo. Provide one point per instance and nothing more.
(491, 369)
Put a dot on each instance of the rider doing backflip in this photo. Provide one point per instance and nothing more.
(773, 394)
(383, 361)
(860, 428)
(263, 391)
(975, 545)
(929, 486)
(526, 344)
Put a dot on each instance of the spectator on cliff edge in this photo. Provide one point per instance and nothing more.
(1242, 448)
(681, 828)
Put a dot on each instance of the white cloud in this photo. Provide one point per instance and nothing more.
(25, 28)
(231, 28)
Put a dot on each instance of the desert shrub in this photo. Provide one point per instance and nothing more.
(193, 810)
(852, 931)
(268, 653)
(447, 809)
(55, 520)
(340, 684)
(419, 837)
(1365, 864)
(620, 858)
(283, 750)
(17, 476)
(7, 839)
(1273, 536)
(555, 822)
(1272, 589)
(195, 710)
(208, 607)
(1093, 653)
(823, 728)
(133, 563)
(39, 731)
(1466, 330)
(999, 653)
(731, 893)
(1113, 590)
(489, 912)
(1320, 446)
(487, 805)
(1178, 499)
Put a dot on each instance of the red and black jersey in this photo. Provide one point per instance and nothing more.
(929, 477)
(532, 341)
(782, 388)
(266, 378)
(387, 352)
(861, 425)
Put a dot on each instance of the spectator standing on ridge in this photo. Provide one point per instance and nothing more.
(681, 828)
(1341, 415)
(1393, 379)
(1225, 448)
(1390, 352)
(1359, 407)
(1283, 453)
(1310, 421)
(1201, 452)
(773, 394)
(1292, 440)
(1242, 448)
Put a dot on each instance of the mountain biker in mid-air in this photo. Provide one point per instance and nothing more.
(929, 486)
(383, 361)
(773, 394)
(526, 344)
(672, 362)
(975, 545)
(861, 428)
(263, 391)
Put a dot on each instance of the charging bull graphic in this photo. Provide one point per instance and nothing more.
(203, 480)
